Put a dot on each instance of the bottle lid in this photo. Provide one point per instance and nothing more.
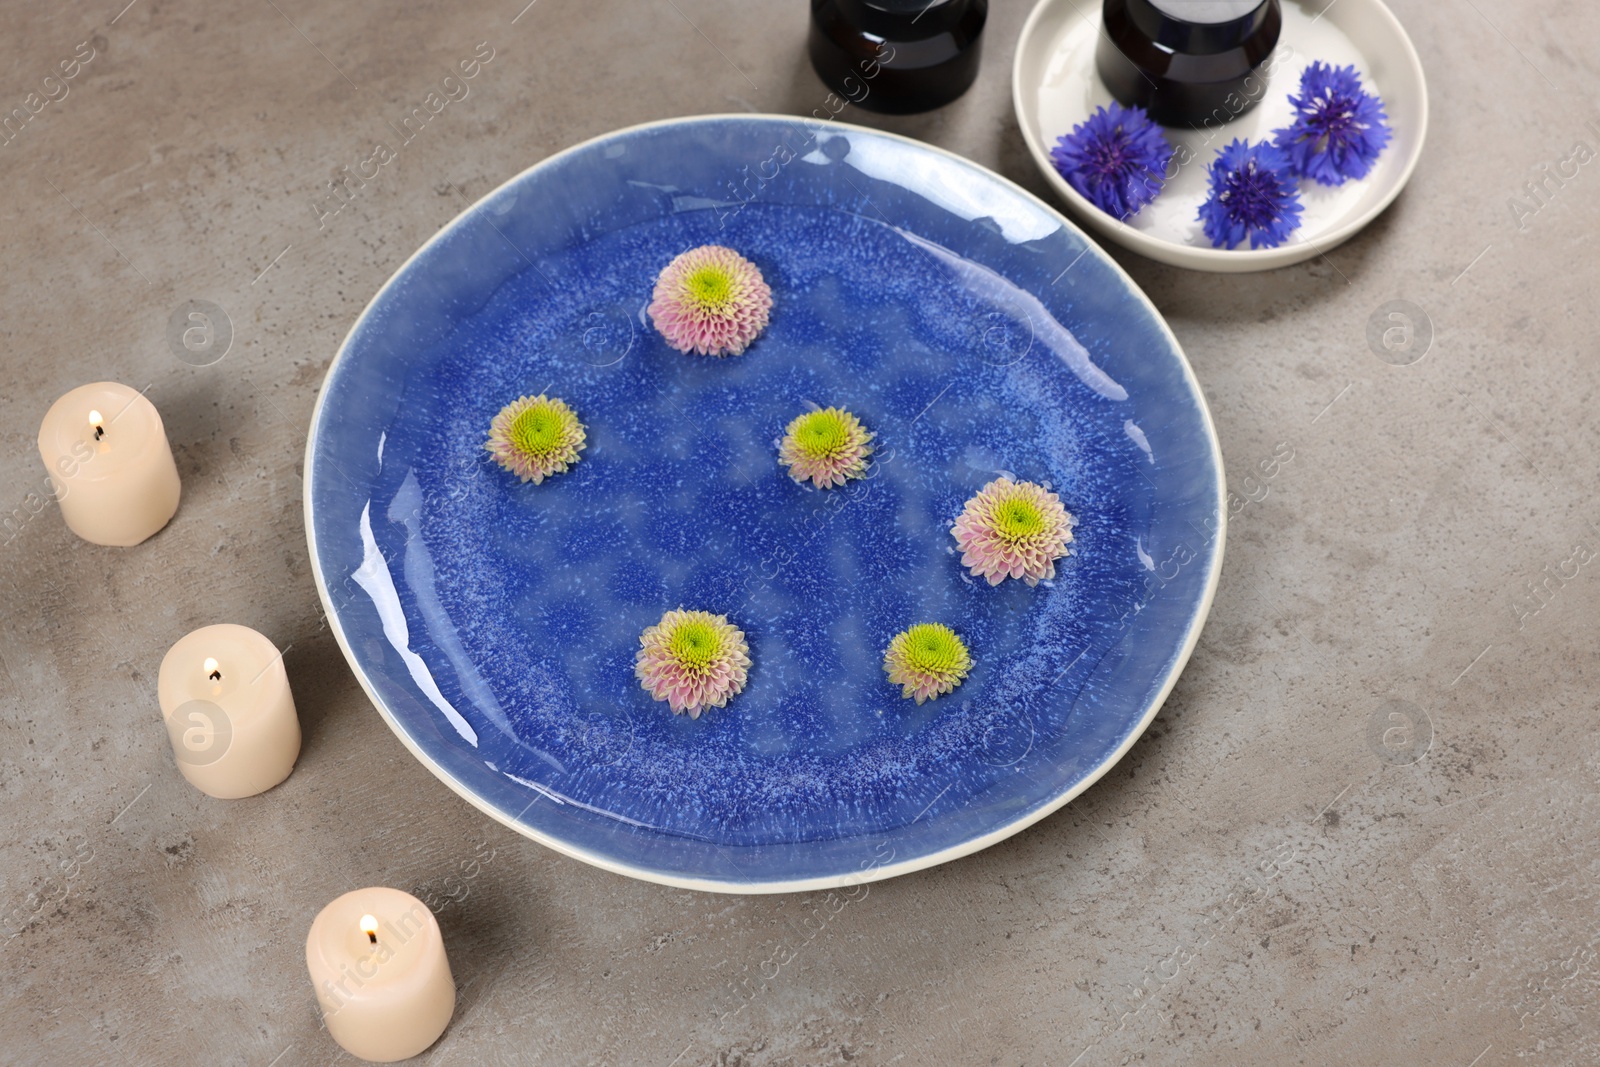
(904, 20)
(1197, 27)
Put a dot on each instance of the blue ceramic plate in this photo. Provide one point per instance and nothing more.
(972, 329)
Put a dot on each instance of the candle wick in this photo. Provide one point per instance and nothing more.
(372, 935)
(215, 676)
(99, 432)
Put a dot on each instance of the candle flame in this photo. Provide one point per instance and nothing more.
(213, 669)
(369, 926)
(98, 423)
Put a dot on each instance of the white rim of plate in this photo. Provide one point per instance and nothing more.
(798, 885)
(1193, 257)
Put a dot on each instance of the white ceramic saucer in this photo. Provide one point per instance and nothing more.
(1054, 87)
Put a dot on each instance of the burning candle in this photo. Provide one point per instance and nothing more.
(378, 964)
(229, 713)
(110, 464)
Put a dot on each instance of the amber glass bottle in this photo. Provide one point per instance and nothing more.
(897, 56)
(1188, 62)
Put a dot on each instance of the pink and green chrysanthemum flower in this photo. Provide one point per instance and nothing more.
(826, 447)
(534, 437)
(693, 660)
(711, 300)
(927, 661)
(1013, 530)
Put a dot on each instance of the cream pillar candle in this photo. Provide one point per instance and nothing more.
(229, 713)
(377, 961)
(109, 461)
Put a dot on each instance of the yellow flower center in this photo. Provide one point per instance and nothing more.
(694, 644)
(823, 433)
(710, 287)
(538, 430)
(1018, 519)
(932, 648)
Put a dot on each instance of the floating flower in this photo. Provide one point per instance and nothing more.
(1252, 195)
(693, 660)
(711, 300)
(534, 437)
(1013, 530)
(926, 661)
(826, 447)
(1339, 128)
(1118, 159)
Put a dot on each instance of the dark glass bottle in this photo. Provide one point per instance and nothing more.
(1188, 62)
(897, 56)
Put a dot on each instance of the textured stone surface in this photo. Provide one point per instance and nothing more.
(1260, 881)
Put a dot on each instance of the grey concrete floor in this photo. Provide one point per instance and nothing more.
(1267, 878)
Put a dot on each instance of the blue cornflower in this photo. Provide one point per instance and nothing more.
(1339, 128)
(1252, 194)
(1118, 159)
